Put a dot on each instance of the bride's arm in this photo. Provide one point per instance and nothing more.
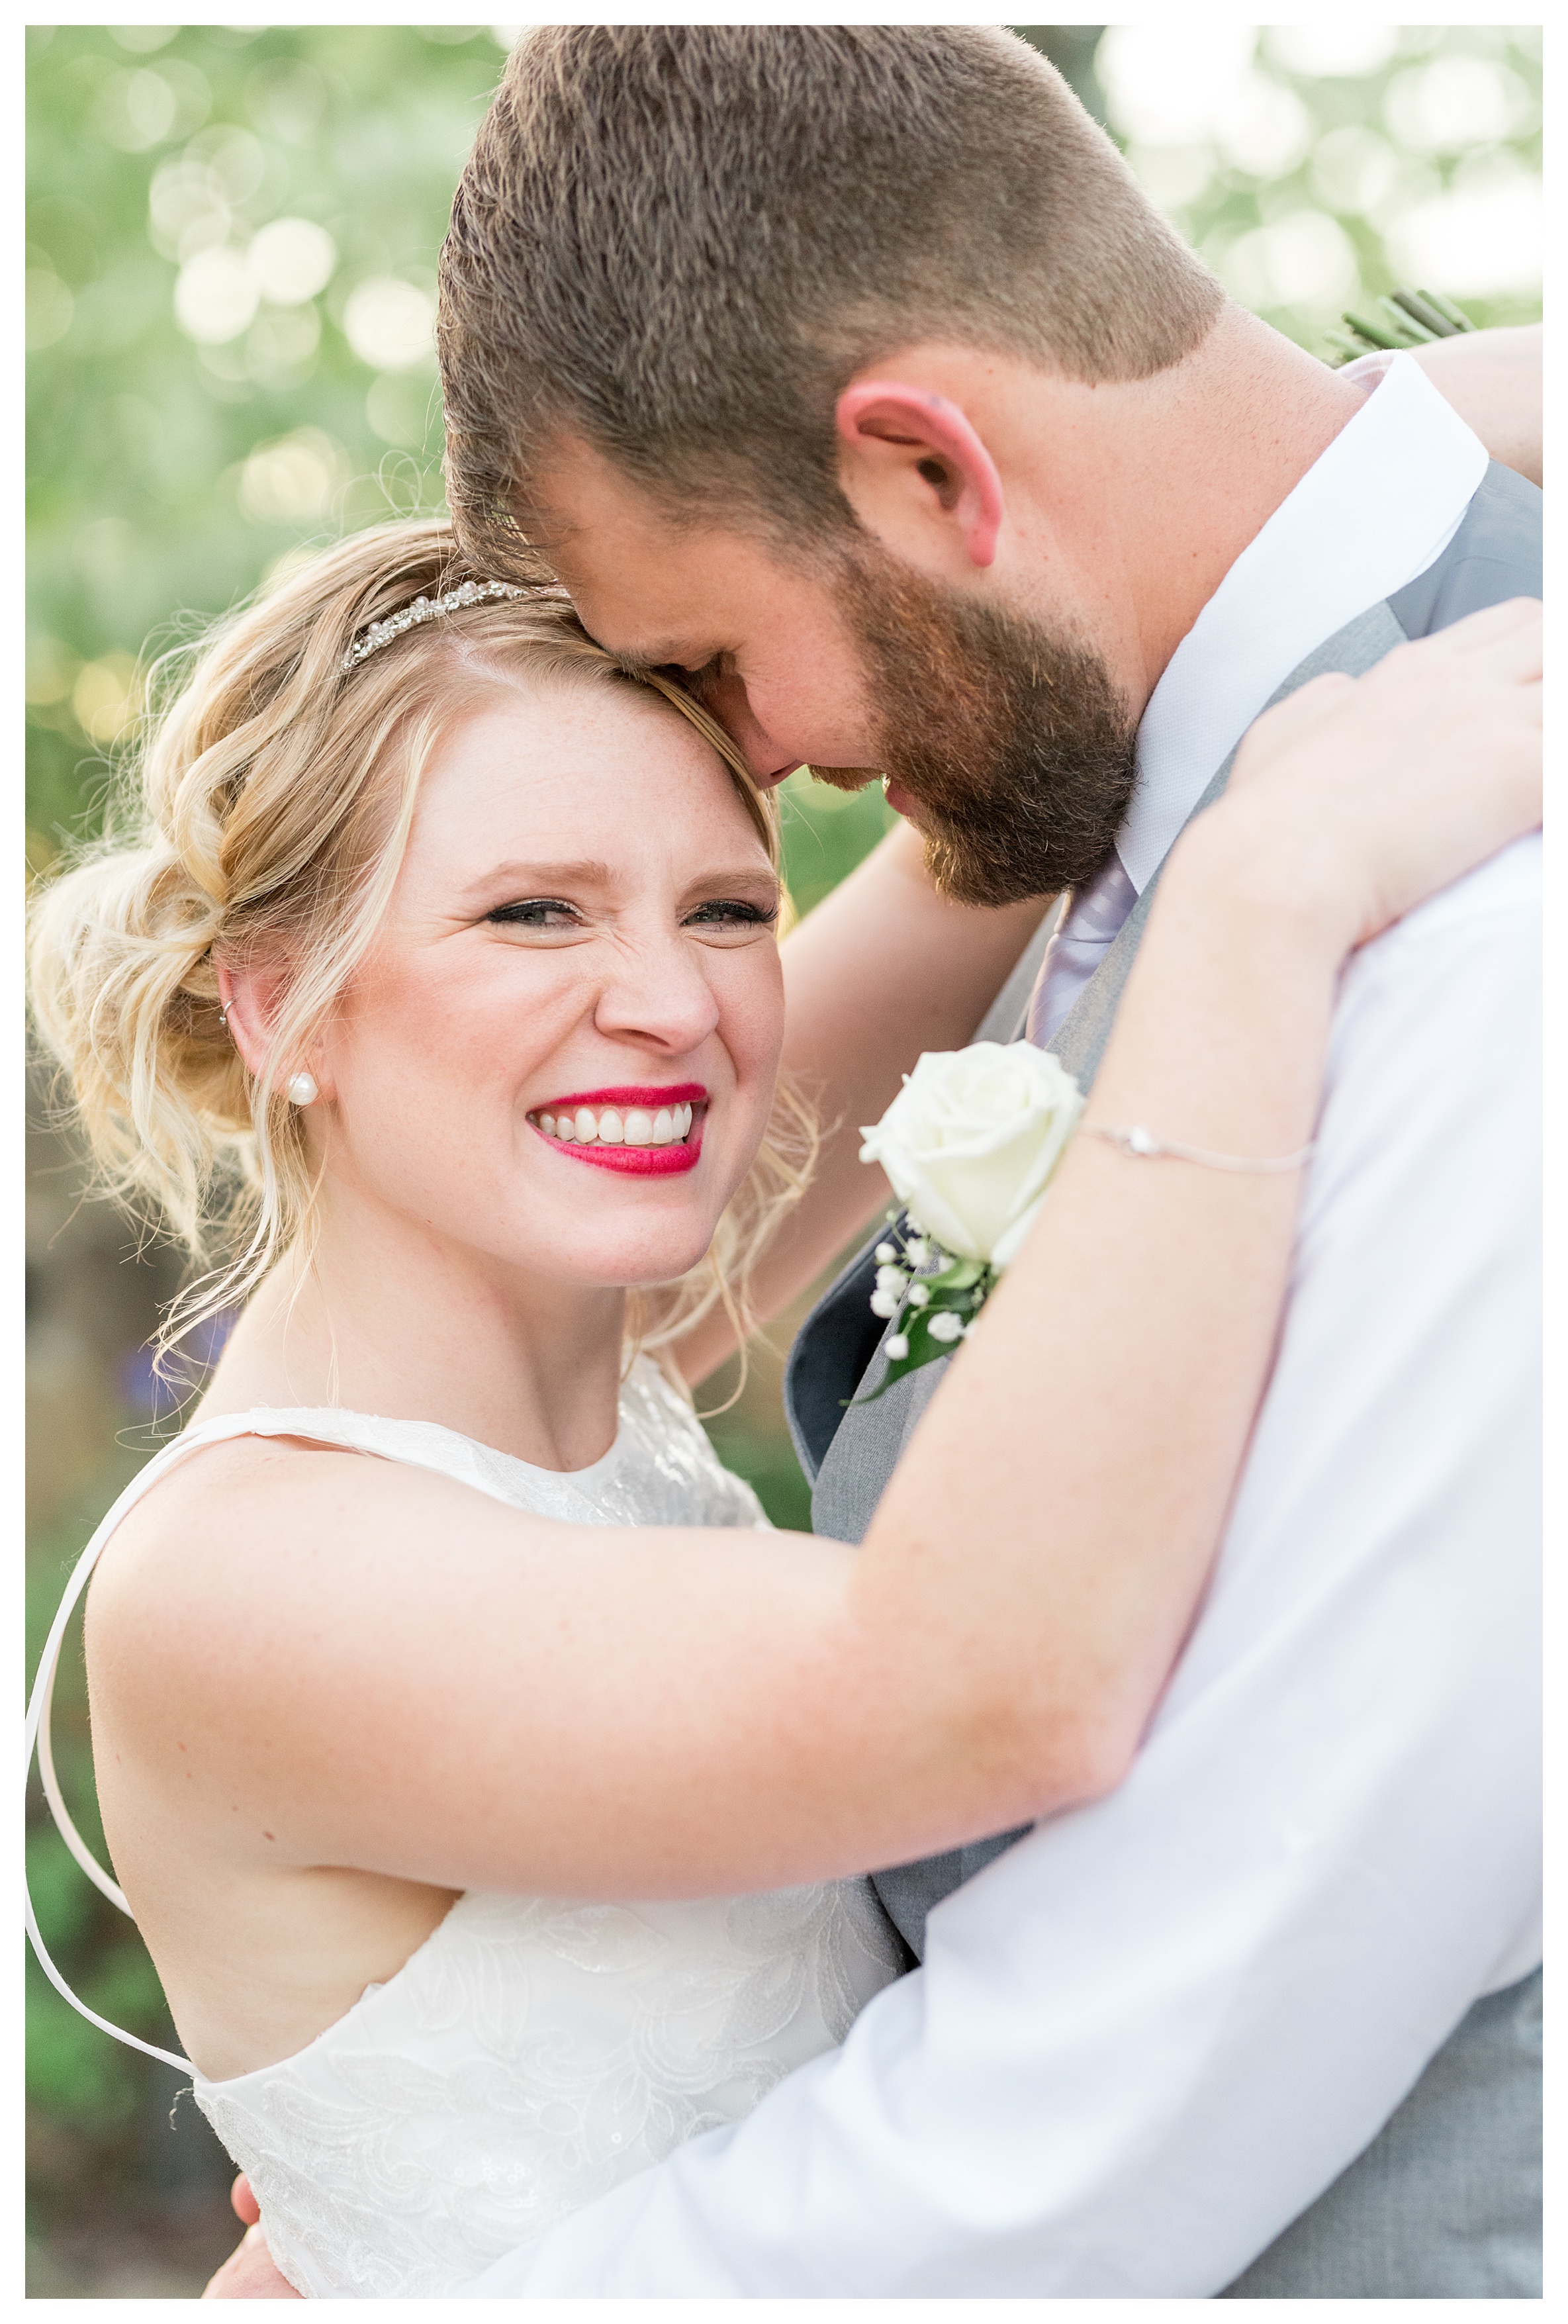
(883, 968)
(372, 1667)
(1493, 380)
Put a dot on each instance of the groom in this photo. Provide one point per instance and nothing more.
(850, 370)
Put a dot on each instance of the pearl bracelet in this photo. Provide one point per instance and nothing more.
(1143, 1143)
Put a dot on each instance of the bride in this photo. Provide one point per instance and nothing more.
(439, 995)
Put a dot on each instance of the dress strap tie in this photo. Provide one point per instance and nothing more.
(42, 1702)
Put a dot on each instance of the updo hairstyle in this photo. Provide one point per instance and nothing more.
(266, 811)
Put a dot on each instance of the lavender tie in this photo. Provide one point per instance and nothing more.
(1077, 949)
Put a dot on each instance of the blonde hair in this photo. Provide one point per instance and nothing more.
(267, 810)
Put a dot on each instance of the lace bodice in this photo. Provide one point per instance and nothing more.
(528, 2057)
(531, 2053)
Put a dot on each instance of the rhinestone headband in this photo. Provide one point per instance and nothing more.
(377, 634)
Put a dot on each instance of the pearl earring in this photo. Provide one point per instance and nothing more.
(302, 1090)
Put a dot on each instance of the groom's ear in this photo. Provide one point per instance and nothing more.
(917, 474)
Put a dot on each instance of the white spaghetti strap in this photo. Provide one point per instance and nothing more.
(213, 1432)
(354, 1431)
(115, 2033)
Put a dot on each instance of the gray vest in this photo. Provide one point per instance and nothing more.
(1445, 2202)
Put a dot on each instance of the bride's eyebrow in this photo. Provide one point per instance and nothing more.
(542, 878)
(756, 876)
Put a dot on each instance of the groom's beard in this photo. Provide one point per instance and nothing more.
(1015, 746)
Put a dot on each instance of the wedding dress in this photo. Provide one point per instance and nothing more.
(532, 2052)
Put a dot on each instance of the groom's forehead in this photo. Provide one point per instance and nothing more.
(647, 586)
(641, 611)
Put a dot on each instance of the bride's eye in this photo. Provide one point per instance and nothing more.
(731, 912)
(545, 913)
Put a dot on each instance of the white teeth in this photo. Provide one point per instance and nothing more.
(638, 1126)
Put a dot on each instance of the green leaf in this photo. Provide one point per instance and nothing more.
(1446, 307)
(1413, 333)
(1421, 310)
(1376, 335)
(1412, 318)
(959, 1275)
(961, 1288)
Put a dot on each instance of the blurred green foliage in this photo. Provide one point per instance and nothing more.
(232, 241)
(1318, 166)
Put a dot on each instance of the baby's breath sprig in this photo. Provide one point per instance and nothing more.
(932, 1298)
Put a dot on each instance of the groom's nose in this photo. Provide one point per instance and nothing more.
(727, 699)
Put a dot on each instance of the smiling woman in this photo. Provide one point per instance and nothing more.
(469, 787)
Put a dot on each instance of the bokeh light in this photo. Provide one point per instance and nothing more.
(293, 480)
(291, 260)
(390, 323)
(1315, 165)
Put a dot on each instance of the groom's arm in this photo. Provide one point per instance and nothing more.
(1150, 2035)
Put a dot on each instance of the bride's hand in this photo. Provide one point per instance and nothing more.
(249, 2271)
(1359, 797)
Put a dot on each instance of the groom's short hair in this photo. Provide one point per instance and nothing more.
(678, 243)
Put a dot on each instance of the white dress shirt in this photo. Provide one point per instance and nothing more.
(1150, 2035)
(1384, 500)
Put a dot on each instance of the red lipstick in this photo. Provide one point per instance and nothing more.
(639, 1161)
(649, 1098)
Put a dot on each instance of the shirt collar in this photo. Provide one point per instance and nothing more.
(1372, 511)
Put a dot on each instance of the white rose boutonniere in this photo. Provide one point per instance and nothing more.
(970, 1144)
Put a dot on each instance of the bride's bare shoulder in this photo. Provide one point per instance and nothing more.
(217, 1484)
(243, 1607)
(235, 1525)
